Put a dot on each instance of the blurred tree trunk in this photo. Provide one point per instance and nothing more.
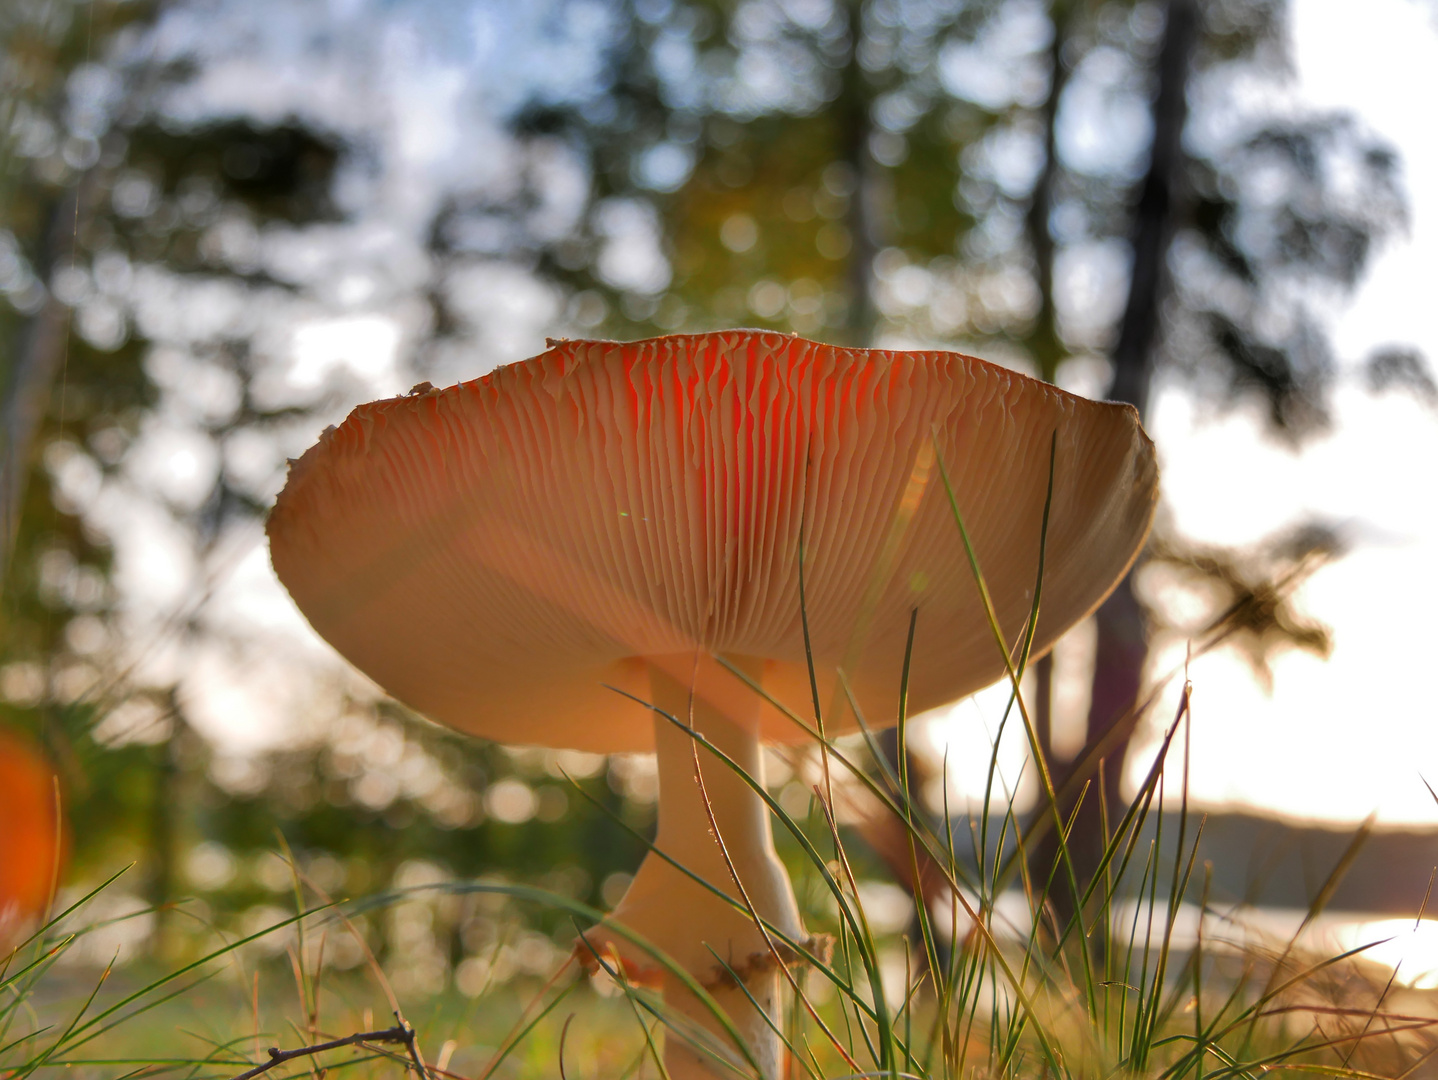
(856, 126)
(37, 355)
(177, 773)
(1122, 628)
(1047, 349)
(1045, 344)
(1153, 224)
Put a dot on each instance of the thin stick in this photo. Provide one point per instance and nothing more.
(400, 1033)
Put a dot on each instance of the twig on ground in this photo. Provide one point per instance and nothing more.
(401, 1033)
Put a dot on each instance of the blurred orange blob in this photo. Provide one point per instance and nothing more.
(30, 834)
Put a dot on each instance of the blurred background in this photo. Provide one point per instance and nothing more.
(224, 224)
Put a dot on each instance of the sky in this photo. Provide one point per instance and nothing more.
(1356, 734)
(1351, 735)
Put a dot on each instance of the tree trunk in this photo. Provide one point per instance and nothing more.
(39, 352)
(1154, 217)
(862, 219)
(1122, 627)
(1044, 343)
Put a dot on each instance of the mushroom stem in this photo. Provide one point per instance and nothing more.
(679, 915)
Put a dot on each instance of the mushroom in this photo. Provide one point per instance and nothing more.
(504, 554)
(30, 836)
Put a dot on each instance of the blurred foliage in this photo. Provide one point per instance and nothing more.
(780, 145)
(1247, 597)
(859, 172)
(56, 570)
(141, 786)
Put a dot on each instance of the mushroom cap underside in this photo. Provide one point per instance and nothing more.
(502, 553)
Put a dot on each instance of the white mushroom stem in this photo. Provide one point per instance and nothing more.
(679, 915)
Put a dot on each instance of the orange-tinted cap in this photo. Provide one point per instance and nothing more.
(29, 833)
(492, 553)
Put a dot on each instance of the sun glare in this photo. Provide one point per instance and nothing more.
(1409, 946)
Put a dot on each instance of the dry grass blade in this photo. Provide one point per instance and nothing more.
(563, 1034)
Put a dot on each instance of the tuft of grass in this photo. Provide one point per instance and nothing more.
(1144, 978)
